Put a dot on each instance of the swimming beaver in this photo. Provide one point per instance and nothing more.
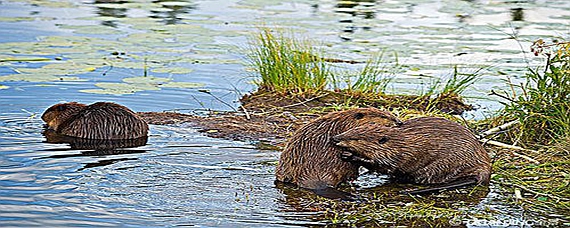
(101, 120)
(310, 158)
(426, 150)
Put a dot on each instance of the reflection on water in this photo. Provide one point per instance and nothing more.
(178, 176)
(92, 144)
(111, 10)
(358, 9)
(517, 14)
(172, 10)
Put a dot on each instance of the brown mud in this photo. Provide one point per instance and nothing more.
(272, 118)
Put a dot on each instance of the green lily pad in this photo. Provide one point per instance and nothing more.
(183, 85)
(23, 59)
(119, 88)
(91, 29)
(18, 19)
(172, 70)
(37, 77)
(146, 80)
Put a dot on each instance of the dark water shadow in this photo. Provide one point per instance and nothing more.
(94, 148)
(113, 12)
(173, 12)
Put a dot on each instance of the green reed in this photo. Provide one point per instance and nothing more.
(374, 76)
(543, 105)
(287, 64)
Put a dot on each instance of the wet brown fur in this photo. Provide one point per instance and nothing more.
(312, 160)
(424, 150)
(101, 120)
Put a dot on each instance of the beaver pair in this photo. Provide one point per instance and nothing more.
(425, 150)
(311, 159)
(101, 120)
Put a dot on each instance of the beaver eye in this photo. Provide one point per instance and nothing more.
(382, 140)
(61, 108)
(359, 116)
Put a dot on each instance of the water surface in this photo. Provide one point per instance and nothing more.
(187, 55)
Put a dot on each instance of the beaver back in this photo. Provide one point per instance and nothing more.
(424, 150)
(311, 159)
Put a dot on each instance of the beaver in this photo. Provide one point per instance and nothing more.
(425, 150)
(311, 159)
(101, 120)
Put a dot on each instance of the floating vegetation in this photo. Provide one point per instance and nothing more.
(38, 77)
(137, 84)
(92, 29)
(19, 19)
(172, 70)
(23, 59)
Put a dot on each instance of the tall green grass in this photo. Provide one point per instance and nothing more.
(374, 76)
(287, 64)
(543, 106)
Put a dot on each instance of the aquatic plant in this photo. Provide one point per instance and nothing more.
(447, 97)
(295, 68)
(287, 64)
(543, 104)
(374, 76)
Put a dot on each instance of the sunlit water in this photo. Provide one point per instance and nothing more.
(182, 177)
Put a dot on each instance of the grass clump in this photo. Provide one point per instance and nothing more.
(374, 76)
(447, 97)
(293, 69)
(288, 64)
(543, 105)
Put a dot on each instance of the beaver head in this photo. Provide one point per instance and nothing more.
(426, 150)
(57, 114)
(377, 142)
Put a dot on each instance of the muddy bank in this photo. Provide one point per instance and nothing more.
(272, 118)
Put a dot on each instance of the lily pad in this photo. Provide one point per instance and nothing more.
(18, 19)
(91, 29)
(38, 77)
(172, 70)
(4, 87)
(23, 59)
(146, 80)
(183, 85)
(119, 88)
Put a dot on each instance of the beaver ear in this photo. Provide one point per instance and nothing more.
(359, 115)
(382, 139)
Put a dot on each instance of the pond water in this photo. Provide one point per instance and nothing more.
(188, 55)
